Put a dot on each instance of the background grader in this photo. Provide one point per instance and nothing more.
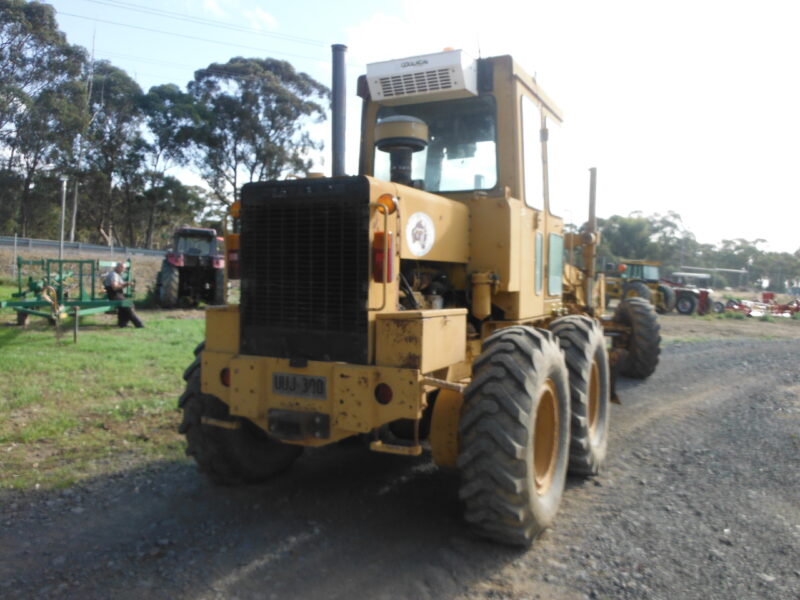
(423, 303)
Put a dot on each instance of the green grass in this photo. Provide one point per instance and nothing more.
(70, 411)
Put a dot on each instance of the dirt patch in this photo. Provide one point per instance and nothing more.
(680, 327)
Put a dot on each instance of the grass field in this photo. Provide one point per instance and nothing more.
(71, 411)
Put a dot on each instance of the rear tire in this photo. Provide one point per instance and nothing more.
(668, 299)
(228, 456)
(644, 342)
(168, 280)
(637, 289)
(686, 305)
(514, 436)
(583, 343)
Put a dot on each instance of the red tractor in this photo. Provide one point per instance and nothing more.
(693, 294)
(193, 269)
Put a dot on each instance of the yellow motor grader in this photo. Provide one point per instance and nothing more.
(424, 303)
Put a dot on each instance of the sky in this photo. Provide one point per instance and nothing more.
(684, 106)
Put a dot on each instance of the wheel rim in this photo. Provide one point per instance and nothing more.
(594, 398)
(545, 441)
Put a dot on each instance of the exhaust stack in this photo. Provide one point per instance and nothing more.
(338, 109)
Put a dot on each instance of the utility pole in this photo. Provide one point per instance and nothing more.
(64, 180)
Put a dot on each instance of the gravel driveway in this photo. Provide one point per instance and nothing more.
(700, 499)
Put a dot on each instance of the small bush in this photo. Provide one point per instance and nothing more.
(767, 317)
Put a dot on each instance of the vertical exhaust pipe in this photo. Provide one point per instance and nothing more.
(590, 241)
(338, 109)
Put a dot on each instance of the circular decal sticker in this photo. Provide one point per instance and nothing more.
(420, 234)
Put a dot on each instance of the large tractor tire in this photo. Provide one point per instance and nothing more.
(583, 343)
(637, 289)
(219, 287)
(686, 304)
(644, 342)
(228, 456)
(168, 281)
(514, 436)
(668, 299)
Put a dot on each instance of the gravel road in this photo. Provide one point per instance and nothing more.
(700, 499)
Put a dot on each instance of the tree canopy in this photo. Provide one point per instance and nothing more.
(63, 115)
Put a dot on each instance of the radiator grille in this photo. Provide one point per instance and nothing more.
(305, 269)
(416, 83)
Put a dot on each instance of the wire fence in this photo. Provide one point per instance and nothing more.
(31, 243)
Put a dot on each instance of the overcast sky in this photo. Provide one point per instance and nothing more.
(691, 107)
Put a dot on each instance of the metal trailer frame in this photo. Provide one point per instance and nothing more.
(61, 305)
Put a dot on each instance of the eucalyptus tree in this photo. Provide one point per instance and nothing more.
(38, 69)
(171, 117)
(114, 131)
(258, 111)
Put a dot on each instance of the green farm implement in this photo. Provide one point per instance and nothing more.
(56, 289)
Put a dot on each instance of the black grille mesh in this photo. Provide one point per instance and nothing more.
(305, 269)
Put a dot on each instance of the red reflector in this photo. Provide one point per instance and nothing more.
(225, 377)
(378, 258)
(383, 393)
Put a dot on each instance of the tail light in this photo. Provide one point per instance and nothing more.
(381, 260)
(232, 254)
(234, 266)
(383, 393)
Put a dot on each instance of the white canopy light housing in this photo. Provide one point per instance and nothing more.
(429, 77)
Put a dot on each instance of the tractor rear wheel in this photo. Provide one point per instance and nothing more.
(637, 289)
(644, 341)
(168, 281)
(514, 432)
(687, 303)
(583, 343)
(228, 456)
(219, 287)
(668, 299)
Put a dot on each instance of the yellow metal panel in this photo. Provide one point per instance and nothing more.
(211, 365)
(444, 428)
(495, 239)
(450, 221)
(355, 407)
(426, 340)
(350, 400)
(222, 329)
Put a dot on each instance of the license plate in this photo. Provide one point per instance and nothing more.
(304, 386)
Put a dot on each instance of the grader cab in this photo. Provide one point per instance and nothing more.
(422, 304)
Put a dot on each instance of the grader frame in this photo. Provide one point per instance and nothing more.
(423, 301)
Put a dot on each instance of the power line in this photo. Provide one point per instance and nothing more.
(192, 37)
(207, 22)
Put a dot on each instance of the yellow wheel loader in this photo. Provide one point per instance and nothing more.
(423, 304)
(632, 278)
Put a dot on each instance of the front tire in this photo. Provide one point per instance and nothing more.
(228, 456)
(687, 303)
(637, 289)
(643, 344)
(514, 436)
(583, 343)
(668, 299)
